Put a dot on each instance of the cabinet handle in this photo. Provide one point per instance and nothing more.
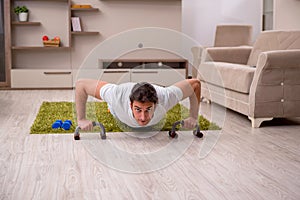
(145, 72)
(56, 73)
(115, 72)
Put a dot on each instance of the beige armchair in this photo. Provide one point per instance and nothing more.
(225, 36)
(261, 82)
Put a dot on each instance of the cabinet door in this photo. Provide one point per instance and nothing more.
(115, 76)
(163, 77)
(108, 75)
(25, 78)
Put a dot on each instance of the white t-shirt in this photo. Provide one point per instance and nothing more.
(117, 98)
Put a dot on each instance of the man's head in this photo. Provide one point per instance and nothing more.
(143, 99)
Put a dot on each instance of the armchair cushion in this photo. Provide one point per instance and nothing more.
(238, 55)
(233, 76)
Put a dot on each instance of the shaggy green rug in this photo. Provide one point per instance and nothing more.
(49, 112)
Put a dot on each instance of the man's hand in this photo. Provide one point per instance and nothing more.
(85, 125)
(191, 88)
(85, 88)
(190, 123)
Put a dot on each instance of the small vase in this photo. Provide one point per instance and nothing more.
(23, 17)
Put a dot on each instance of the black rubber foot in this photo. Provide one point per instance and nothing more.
(103, 137)
(198, 134)
(173, 134)
(77, 137)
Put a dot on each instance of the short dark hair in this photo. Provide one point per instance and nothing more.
(143, 92)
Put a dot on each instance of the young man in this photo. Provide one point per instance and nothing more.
(137, 104)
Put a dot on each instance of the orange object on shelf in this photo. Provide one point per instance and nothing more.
(51, 43)
(81, 6)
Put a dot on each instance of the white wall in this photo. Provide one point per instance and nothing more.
(199, 18)
(286, 14)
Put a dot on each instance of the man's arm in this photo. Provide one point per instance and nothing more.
(191, 88)
(85, 88)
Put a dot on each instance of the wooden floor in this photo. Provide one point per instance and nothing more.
(245, 163)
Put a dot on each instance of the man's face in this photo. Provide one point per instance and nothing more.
(142, 112)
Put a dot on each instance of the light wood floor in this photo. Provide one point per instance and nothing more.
(245, 163)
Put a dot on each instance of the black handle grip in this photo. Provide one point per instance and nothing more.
(173, 134)
(102, 131)
(181, 122)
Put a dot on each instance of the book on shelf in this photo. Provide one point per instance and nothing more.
(76, 26)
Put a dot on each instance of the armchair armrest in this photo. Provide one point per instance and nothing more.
(275, 89)
(196, 53)
(237, 55)
(279, 59)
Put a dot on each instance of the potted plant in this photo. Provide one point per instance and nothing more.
(22, 12)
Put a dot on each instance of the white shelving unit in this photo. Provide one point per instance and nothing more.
(55, 70)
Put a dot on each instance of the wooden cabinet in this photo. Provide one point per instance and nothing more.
(46, 17)
(163, 77)
(109, 75)
(162, 72)
(31, 65)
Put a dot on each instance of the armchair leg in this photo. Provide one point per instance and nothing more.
(256, 122)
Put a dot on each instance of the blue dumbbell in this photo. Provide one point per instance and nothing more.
(66, 125)
(57, 124)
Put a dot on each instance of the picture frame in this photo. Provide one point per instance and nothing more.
(76, 26)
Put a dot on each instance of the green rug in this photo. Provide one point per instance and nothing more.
(49, 112)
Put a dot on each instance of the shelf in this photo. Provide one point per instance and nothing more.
(87, 9)
(39, 48)
(84, 9)
(85, 33)
(26, 23)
